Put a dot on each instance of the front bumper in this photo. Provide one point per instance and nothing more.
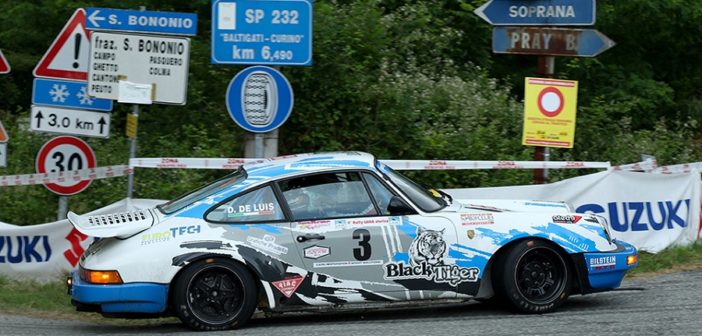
(605, 270)
(150, 298)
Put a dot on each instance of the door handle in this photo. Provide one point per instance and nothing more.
(302, 239)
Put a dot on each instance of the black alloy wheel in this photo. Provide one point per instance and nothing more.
(533, 276)
(215, 295)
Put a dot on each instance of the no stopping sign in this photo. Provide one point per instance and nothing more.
(65, 153)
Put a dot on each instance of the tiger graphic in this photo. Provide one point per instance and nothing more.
(429, 247)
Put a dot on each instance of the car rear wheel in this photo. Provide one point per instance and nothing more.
(534, 277)
(214, 295)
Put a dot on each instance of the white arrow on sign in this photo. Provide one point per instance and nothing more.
(94, 18)
(67, 121)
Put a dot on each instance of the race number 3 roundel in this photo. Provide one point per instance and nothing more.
(65, 153)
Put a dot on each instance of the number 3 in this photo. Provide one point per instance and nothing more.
(364, 251)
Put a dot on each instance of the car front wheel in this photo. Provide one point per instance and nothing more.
(214, 295)
(534, 277)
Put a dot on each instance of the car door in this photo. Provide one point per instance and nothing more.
(356, 248)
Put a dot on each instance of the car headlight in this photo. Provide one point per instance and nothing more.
(605, 226)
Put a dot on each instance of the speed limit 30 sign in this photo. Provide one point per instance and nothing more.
(65, 153)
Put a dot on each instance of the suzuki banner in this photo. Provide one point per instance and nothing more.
(650, 211)
(47, 251)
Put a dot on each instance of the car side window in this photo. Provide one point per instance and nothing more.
(256, 206)
(327, 195)
(380, 192)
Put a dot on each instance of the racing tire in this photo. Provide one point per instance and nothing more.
(214, 295)
(533, 277)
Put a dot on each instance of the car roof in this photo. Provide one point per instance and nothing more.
(311, 161)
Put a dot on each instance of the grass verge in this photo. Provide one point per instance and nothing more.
(50, 299)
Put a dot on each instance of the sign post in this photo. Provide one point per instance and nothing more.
(141, 21)
(538, 12)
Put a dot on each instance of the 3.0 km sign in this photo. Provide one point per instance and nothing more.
(65, 153)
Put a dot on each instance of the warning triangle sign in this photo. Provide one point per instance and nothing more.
(3, 134)
(67, 58)
(4, 65)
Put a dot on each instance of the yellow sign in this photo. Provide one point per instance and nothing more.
(549, 112)
(132, 126)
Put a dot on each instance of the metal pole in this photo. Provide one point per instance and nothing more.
(258, 145)
(62, 207)
(546, 69)
(132, 154)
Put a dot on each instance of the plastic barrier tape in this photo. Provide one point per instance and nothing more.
(74, 175)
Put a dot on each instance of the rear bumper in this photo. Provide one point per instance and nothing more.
(600, 271)
(147, 298)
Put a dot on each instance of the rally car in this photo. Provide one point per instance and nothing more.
(334, 229)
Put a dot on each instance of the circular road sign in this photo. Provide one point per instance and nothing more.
(551, 101)
(259, 99)
(65, 153)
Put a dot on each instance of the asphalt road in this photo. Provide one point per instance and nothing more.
(662, 305)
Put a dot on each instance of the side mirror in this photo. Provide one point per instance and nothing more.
(398, 207)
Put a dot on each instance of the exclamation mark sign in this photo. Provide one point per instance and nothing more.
(76, 51)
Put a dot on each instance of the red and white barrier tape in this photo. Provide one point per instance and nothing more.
(74, 175)
(462, 165)
(217, 163)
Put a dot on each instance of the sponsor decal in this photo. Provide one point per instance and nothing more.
(566, 219)
(427, 262)
(24, 249)
(288, 286)
(367, 221)
(470, 234)
(267, 244)
(316, 252)
(451, 274)
(251, 210)
(642, 216)
(315, 224)
(602, 263)
(477, 219)
(166, 235)
(348, 263)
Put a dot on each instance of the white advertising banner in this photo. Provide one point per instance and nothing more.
(47, 251)
(650, 211)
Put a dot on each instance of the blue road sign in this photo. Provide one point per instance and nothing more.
(68, 94)
(171, 23)
(549, 41)
(538, 12)
(270, 32)
(259, 99)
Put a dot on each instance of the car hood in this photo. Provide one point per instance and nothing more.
(502, 205)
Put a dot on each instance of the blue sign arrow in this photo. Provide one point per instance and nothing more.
(270, 32)
(549, 41)
(170, 23)
(69, 94)
(538, 12)
(259, 99)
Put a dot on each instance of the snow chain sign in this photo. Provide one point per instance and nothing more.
(158, 61)
(65, 153)
(549, 112)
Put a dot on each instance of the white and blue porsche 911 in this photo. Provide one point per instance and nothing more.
(335, 229)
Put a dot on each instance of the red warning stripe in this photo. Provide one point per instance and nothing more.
(4, 66)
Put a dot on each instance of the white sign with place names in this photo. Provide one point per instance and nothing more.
(67, 121)
(142, 59)
(3, 154)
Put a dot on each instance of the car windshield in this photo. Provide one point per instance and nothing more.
(423, 198)
(202, 192)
